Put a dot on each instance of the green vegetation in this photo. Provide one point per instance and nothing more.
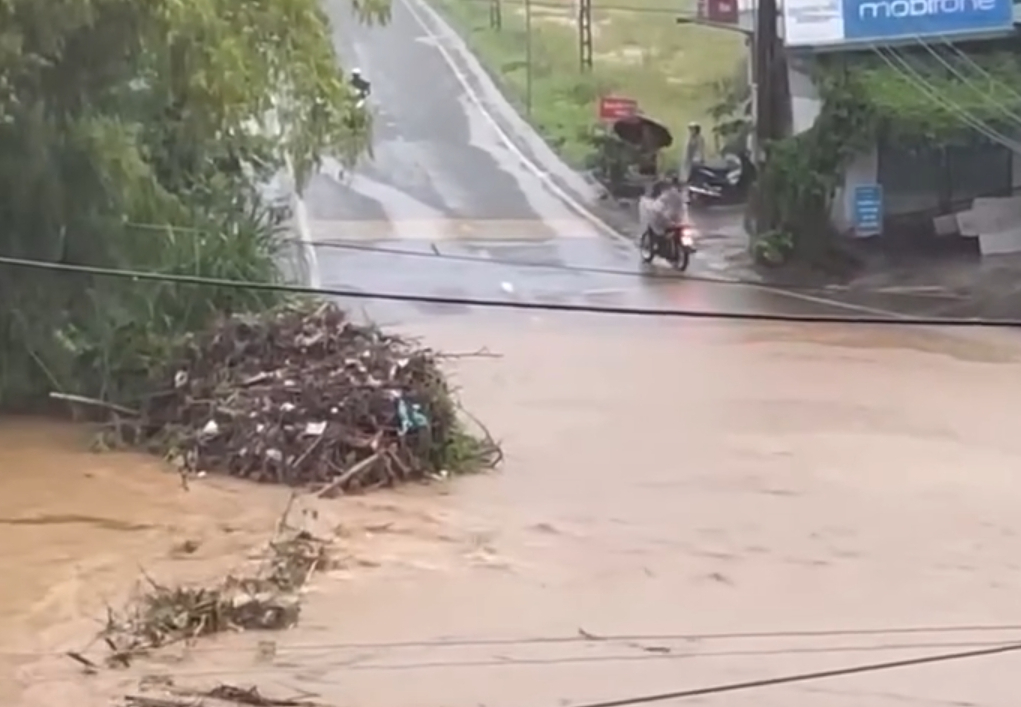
(916, 98)
(638, 51)
(115, 113)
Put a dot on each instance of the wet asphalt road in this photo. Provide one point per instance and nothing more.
(446, 185)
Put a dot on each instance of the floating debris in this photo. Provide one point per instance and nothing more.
(221, 695)
(267, 600)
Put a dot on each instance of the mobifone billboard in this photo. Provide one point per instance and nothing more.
(832, 23)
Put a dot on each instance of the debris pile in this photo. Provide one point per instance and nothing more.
(302, 396)
(221, 695)
(265, 600)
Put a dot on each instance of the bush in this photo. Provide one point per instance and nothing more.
(161, 113)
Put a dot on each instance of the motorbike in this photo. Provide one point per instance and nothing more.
(675, 245)
(727, 184)
(362, 90)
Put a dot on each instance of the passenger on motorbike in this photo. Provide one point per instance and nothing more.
(667, 207)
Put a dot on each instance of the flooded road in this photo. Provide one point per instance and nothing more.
(720, 501)
(671, 479)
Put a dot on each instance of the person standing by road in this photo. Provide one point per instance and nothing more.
(694, 151)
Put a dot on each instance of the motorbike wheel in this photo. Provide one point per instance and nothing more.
(647, 246)
(683, 260)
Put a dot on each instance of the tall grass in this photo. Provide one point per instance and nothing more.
(102, 336)
(638, 52)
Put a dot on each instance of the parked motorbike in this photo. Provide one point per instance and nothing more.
(729, 183)
(675, 245)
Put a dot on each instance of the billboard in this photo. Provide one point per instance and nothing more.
(724, 12)
(814, 23)
(614, 108)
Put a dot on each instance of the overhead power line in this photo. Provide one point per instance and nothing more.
(722, 688)
(805, 677)
(566, 7)
(986, 96)
(901, 65)
(984, 74)
(650, 645)
(436, 254)
(140, 275)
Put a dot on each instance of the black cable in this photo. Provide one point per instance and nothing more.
(506, 304)
(358, 663)
(596, 7)
(647, 641)
(804, 677)
(436, 254)
(643, 640)
(650, 653)
(589, 638)
(590, 269)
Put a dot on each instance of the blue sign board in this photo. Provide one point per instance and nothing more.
(890, 19)
(868, 209)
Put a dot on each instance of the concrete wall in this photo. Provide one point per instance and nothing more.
(805, 101)
(805, 108)
(864, 169)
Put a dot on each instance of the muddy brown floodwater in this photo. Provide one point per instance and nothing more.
(662, 478)
(77, 527)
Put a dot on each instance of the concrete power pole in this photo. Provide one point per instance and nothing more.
(772, 102)
(528, 57)
(764, 47)
(583, 13)
(495, 15)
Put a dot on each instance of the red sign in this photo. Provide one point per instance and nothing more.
(614, 108)
(724, 12)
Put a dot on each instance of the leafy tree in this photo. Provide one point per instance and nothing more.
(119, 112)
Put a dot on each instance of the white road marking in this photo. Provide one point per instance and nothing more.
(473, 96)
(511, 231)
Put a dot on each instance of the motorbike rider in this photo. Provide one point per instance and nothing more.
(360, 83)
(694, 151)
(668, 205)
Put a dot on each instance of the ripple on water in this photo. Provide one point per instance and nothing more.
(77, 526)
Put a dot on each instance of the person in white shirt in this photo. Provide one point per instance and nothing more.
(694, 151)
(667, 206)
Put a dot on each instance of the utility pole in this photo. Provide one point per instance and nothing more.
(528, 57)
(771, 101)
(763, 48)
(585, 35)
(495, 15)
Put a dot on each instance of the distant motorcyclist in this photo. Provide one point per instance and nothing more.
(360, 84)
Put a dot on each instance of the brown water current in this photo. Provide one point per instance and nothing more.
(662, 478)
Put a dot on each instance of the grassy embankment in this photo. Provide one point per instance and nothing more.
(638, 51)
